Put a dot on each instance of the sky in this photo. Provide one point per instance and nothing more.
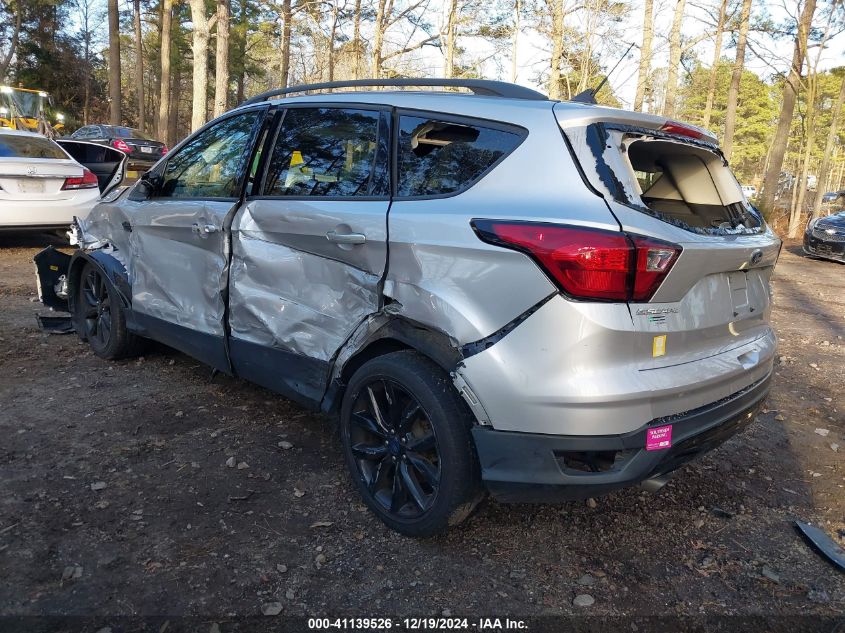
(766, 55)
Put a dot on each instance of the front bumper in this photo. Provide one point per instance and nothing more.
(824, 248)
(528, 467)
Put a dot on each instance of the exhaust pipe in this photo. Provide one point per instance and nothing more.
(654, 484)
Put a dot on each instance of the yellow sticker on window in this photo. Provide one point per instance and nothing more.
(658, 346)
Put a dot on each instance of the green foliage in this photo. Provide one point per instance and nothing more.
(756, 114)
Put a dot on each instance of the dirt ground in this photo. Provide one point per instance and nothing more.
(116, 498)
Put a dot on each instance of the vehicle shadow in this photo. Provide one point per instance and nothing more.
(32, 239)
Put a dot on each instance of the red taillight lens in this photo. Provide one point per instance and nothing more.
(87, 181)
(164, 150)
(654, 261)
(681, 129)
(588, 263)
(121, 145)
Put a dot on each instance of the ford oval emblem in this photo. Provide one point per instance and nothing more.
(756, 256)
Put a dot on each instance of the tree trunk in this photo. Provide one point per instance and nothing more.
(645, 54)
(356, 40)
(221, 65)
(674, 60)
(240, 80)
(558, 15)
(173, 113)
(199, 48)
(736, 79)
(790, 92)
(332, 36)
(829, 146)
(139, 67)
(451, 29)
(378, 37)
(13, 42)
(114, 63)
(164, 99)
(284, 64)
(517, 15)
(714, 67)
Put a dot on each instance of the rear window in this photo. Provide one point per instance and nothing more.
(14, 146)
(128, 132)
(441, 157)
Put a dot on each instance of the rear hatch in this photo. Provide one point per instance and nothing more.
(31, 179)
(669, 181)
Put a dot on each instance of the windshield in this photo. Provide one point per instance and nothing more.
(28, 103)
(14, 146)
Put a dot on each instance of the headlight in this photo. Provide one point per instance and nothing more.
(811, 224)
(60, 117)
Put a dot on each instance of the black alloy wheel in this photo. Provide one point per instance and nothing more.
(395, 448)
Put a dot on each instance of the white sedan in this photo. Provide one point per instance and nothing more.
(43, 187)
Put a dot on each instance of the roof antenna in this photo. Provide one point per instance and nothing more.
(589, 95)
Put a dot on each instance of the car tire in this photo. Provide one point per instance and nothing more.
(100, 318)
(406, 439)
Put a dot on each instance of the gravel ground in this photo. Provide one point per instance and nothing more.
(117, 500)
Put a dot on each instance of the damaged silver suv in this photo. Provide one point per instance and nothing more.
(491, 290)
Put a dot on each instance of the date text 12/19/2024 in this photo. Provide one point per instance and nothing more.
(416, 624)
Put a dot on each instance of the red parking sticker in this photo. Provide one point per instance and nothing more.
(658, 438)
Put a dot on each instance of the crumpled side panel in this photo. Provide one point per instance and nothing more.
(102, 228)
(163, 291)
(293, 300)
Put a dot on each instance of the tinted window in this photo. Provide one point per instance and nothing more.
(128, 132)
(328, 152)
(211, 163)
(438, 157)
(14, 146)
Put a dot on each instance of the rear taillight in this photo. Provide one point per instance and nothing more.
(164, 150)
(121, 145)
(588, 263)
(86, 181)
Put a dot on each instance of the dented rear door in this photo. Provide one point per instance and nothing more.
(310, 246)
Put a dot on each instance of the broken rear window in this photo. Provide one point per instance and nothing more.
(683, 183)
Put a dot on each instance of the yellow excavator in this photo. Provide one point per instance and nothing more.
(26, 109)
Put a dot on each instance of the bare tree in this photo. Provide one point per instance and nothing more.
(675, 51)
(558, 13)
(13, 41)
(114, 63)
(357, 44)
(714, 67)
(221, 65)
(387, 16)
(736, 79)
(139, 65)
(645, 53)
(164, 99)
(199, 47)
(832, 133)
(449, 33)
(284, 61)
(790, 93)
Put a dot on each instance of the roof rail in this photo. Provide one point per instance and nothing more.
(484, 87)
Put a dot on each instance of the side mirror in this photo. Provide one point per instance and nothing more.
(151, 183)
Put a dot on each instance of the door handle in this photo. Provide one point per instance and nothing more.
(346, 238)
(203, 230)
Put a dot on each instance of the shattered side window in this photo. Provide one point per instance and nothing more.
(210, 164)
(326, 152)
(438, 157)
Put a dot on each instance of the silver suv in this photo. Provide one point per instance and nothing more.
(492, 291)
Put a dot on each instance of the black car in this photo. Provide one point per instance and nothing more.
(143, 150)
(825, 237)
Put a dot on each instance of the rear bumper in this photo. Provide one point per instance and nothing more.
(527, 467)
(822, 248)
(47, 214)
